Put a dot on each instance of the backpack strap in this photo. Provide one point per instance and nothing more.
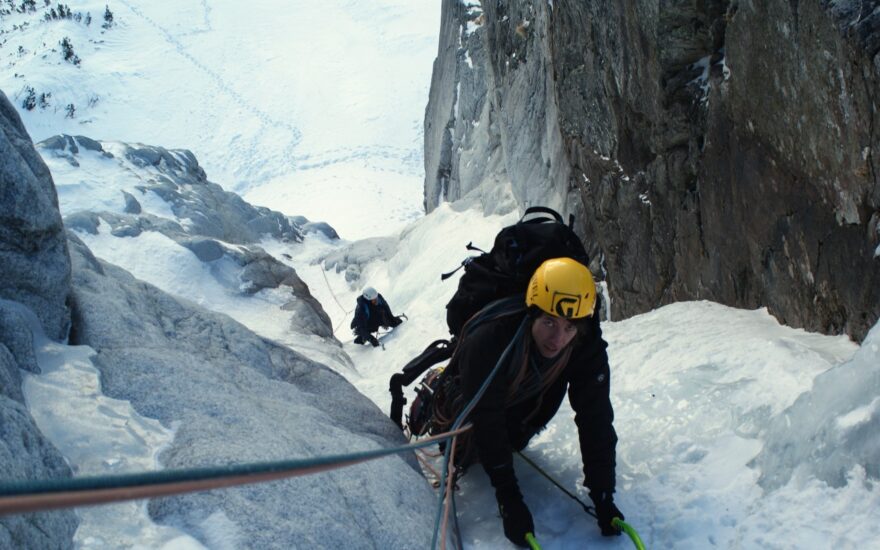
(437, 351)
(542, 210)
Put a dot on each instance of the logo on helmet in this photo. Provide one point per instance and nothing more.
(566, 305)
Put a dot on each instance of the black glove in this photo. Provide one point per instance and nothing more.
(358, 340)
(372, 340)
(606, 511)
(515, 515)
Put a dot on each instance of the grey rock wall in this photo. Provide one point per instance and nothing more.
(35, 269)
(34, 261)
(720, 150)
(462, 142)
(233, 396)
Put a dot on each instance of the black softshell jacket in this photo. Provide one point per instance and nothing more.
(368, 317)
(500, 430)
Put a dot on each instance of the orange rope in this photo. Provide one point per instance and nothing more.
(450, 482)
(68, 498)
(425, 464)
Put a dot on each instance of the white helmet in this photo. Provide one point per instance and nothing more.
(370, 293)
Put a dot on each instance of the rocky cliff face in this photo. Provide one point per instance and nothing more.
(31, 233)
(718, 150)
(236, 398)
(35, 268)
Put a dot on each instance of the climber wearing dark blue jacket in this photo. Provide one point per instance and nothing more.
(371, 312)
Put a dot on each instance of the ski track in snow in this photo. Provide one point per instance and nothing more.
(219, 81)
(298, 161)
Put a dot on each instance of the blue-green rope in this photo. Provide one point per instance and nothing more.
(462, 417)
(12, 491)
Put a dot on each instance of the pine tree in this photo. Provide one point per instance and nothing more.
(30, 99)
(71, 111)
(108, 17)
(67, 51)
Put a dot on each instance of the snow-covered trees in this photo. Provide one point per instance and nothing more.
(108, 17)
(67, 51)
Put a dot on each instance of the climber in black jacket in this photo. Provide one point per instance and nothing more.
(370, 313)
(559, 348)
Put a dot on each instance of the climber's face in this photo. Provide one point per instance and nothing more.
(551, 334)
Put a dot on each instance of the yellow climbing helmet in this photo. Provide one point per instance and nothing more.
(562, 287)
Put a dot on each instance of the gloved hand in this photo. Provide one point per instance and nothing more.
(358, 340)
(516, 517)
(372, 340)
(606, 511)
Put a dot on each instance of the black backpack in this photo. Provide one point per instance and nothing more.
(502, 272)
(506, 269)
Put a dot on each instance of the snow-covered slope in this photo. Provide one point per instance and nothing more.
(269, 96)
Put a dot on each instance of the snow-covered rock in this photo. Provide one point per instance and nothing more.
(166, 191)
(36, 273)
(235, 397)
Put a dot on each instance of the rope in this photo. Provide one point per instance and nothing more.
(588, 509)
(336, 328)
(461, 418)
(616, 522)
(427, 465)
(458, 537)
(335, 299)
(18, 497)
(449, 491)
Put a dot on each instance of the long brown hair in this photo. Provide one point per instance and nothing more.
(449, 402)
(523, 371)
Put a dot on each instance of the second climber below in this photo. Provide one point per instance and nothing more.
(371, 313)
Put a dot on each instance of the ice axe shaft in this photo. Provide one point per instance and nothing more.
(616, 522)
(533, 544)
(630, 532)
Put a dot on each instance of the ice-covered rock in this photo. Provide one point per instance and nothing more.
(830, 429)
(166, 191)
(353, 257)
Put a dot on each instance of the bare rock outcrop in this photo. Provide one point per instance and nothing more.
(720, 150)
